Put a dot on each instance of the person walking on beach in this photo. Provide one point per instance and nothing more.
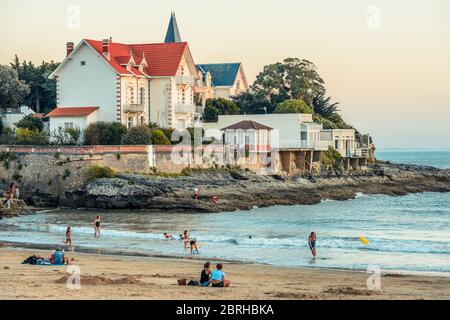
(312, 243)
(68, 237)
(97, 222)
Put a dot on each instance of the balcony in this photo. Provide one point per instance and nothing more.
(361, 153)
(304, 144)
(131, 107)
(184, 108)
(184, 79)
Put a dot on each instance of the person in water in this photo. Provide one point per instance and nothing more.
(185, 238)
(68, 237)
(312, 243)
(218, 277)
(97, 222)
(205, 275)
(193, 244)
(168, 236)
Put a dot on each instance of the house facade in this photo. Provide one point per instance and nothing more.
(290, 131)
(249, 135)
(221, 80)
(133, 84)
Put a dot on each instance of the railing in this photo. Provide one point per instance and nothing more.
(131, 107)
(362, 153)
(304, 144)
(184, 79)
(184, 108)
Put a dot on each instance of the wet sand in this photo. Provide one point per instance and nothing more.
(119, 277)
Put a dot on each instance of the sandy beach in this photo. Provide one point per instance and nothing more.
(118, 277)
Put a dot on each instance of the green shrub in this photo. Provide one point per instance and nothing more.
(331, 158)
(66, 174)
(118, 156)
(97, 172)
(31, 137)
(138, 135)
(104, 133)
(293, 106)
(159, 138)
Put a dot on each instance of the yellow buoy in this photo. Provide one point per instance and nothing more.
(363, 240)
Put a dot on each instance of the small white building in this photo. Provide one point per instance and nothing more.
(290, 130)
(342, 140)
(249, 135)
(11, 117)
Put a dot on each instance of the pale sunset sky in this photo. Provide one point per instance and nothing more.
(386, 61)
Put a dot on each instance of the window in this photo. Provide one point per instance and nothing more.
(336, 144)
(130, 122)
(303, 135)
(142, 95)
(82, 62)
(68, 125)
(129, 94)
(142, 120)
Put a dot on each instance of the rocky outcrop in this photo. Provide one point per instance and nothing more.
(244, 190)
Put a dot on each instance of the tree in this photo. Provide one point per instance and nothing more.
(253, 103)
(30, 122)
(104, 133)
(218, 106)
(12, 90)
(138, 135)
(42, 95)
(293, 106)
(323, 106)
(292, 78)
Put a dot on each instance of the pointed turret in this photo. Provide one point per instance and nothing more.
(172, 35)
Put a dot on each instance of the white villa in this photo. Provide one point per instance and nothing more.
(291, 131)
(12, 116)
(131, 83)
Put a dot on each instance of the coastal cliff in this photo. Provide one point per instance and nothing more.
(243, 190)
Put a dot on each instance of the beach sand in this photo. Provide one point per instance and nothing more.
(119, 277)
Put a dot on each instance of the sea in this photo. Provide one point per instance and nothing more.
(405, 233)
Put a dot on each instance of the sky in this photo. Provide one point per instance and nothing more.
(386, 62)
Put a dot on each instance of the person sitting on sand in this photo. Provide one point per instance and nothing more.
(218, 277)
(205, 275)
(312, 243)
(185, 238)
(193, 244)
(97, 222)
(68, 237)
(168, 236)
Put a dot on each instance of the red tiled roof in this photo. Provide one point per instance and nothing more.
(38, 115)
(163, 59)
(246, 125)
(71, 111)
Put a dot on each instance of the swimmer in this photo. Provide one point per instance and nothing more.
(312, 243)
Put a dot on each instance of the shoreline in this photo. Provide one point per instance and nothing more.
(122, 277)
(21, 246)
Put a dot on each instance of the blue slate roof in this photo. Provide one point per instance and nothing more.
(173, 34)
(222, 74)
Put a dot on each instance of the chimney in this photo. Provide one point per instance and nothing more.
(105, 44)
(69, 48)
